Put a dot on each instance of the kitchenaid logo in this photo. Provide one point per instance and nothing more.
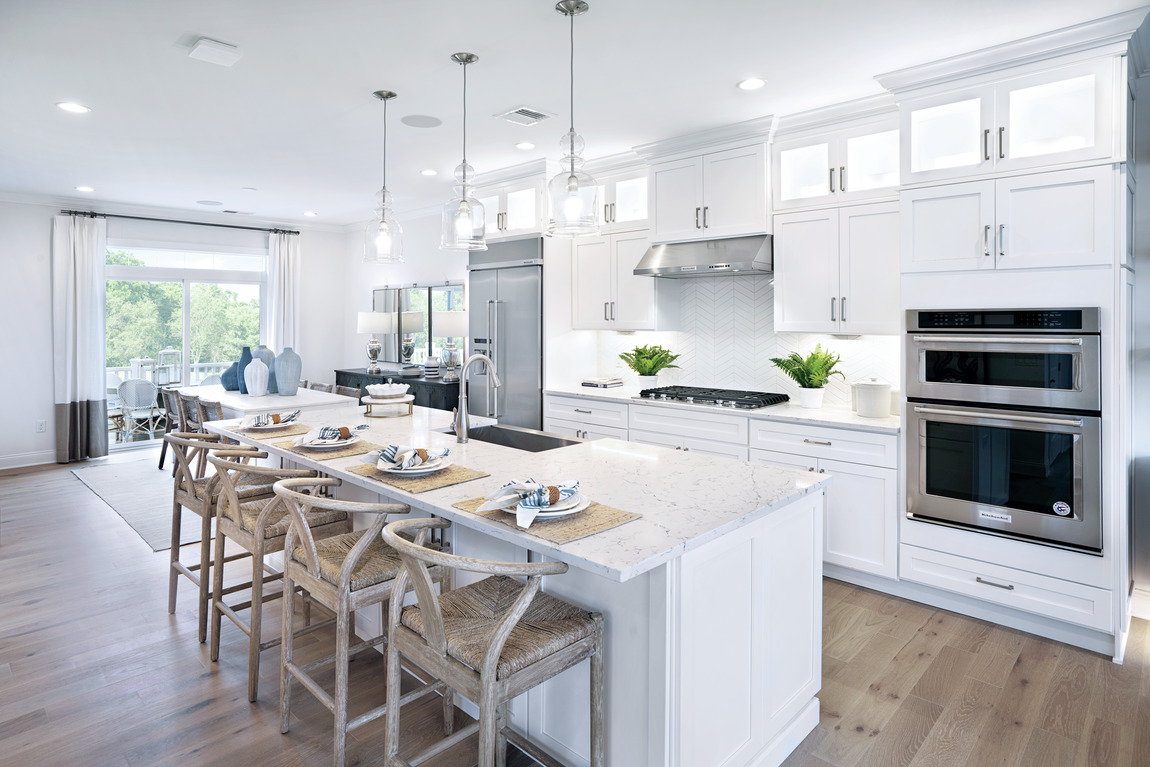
(995, 516)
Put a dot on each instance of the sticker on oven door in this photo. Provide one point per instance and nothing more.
(995, 516)
(1061, 508)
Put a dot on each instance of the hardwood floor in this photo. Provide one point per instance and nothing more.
(94, 671)
(906, 684)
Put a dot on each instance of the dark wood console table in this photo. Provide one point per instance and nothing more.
(429, 392)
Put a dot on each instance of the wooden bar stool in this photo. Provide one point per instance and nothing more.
(259, 525)
(490, 641)
(344, 573)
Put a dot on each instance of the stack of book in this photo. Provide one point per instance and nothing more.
(602, 383)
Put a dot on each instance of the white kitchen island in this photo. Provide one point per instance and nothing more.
(237, 405)
(712, 600)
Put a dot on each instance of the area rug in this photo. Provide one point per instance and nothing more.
(142, 495)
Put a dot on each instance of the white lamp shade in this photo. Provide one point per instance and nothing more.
(375, 322)
(411, 322)
(449, 324)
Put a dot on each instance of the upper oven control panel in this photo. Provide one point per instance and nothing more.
(1082, 320)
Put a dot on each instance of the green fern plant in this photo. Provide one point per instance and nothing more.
(812, 372)
(649, 360)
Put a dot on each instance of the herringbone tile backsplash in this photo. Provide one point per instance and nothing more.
(727, 338)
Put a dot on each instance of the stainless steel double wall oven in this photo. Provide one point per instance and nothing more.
(1004, 428)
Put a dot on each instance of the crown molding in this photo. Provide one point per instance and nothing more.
(614, 163)
(1140, 50)
(877, 107)
(756, 130)
(1106, 36)
(532, 169)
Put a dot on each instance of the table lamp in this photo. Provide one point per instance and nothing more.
(374, 323)
(450, 325)
(407, 321)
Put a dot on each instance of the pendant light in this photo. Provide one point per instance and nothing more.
(383, 237)
(573, 193)
(464, 223)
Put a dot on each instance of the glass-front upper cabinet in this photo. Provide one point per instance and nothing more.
(1049, 118)
(512, 210)
(623, 201)
(847, 165)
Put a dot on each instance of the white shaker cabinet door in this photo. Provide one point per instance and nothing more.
(869, 269)
(735, 192)
(861, 517)
(676, 200)
(807, 271)
(947, 228)
(591, 275)
(634, 302)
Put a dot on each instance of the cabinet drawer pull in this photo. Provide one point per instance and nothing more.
(842, 178)
(1006, 587)
(986, 144)
(816, 442)
(1001, 143)
(577, 410)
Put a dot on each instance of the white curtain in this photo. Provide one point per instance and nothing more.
(283, 290)
(78, 257)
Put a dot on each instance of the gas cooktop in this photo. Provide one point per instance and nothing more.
(693, 395)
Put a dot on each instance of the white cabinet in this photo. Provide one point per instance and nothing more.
(861, 522)
(836, 270)
(623, 202)
(584, 431)
(1060, 116)
(721, 194)
(513, 210)
(858, 163)
(712, 434)
(584, 418)
(606, 293)
(1061, 218)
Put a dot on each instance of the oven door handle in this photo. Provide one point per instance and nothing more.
(1077, 423)
(999, 340)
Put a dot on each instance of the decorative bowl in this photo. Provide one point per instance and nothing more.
(387, 390)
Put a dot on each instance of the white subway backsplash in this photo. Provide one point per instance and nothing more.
(727, 338)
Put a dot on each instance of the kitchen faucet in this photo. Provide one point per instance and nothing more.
(461, 421)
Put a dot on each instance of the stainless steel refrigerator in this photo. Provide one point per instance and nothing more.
(505, 295)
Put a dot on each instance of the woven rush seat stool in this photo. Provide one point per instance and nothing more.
(344, 573)
(489, 641)
(259, 525)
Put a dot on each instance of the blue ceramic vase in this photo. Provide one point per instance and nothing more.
(268, 357)
(245, 358)
(288, 367)
(230, 378)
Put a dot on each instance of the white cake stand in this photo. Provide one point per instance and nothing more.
(386, 403)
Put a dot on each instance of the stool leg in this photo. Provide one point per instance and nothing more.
(205, 567)
(488, 723)
(256, 622)
(217, 589)
(342, 639)
(174, 556)
(287, 640)
(394, 672)
(598, 740)
(163, 450)
(500, 738)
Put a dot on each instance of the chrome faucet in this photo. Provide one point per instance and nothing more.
(461, 420)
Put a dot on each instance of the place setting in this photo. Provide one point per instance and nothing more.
(274, 424)
(329, 442)
(414, 469)
(557, 512)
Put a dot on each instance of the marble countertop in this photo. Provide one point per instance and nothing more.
(686, 498)
(246, 403)
(789, 412)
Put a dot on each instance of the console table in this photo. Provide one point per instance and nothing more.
(428, 392)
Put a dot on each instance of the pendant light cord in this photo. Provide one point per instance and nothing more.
(572, 94)
(464, 130)
(385, 144)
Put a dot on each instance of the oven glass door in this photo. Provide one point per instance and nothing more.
(1029, 371)
(1027, 474)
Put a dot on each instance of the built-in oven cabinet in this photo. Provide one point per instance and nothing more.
(1056, 219)
(584, 417)
(1019, 589)
(860, 528)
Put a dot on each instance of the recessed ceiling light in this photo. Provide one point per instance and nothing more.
(309, 213)
(248, 189)
(85, 189)
(72, 106)
(429, 172)
(421, 121)
(208, 202)
(525, 145)
(751, 84)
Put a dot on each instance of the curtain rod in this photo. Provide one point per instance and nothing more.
(93, 214)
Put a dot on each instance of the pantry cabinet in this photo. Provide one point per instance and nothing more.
(1055, 219)
(836, 270)
(607, 295)
(857, 163)
(710, 196)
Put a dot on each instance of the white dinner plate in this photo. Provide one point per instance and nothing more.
(333, 445)
(566, 507)
(416, 471)
(271, 426)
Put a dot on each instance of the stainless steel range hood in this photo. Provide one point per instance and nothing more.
(712, 258)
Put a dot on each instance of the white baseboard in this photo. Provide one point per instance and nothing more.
(1140, 604)
(21, 460)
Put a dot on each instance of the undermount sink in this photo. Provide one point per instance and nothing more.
(517, 437)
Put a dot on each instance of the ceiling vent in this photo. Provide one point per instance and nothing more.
(215, 52)
(525, 116)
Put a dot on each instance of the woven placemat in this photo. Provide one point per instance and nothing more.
(359, 448)
(452, 475)
(290, 431)
(594, 519)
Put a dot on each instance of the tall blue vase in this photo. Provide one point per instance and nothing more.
(288, 367)
(268, 357)
(245, 358)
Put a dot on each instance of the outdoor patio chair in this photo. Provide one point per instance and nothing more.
(211, 380)
(138, 404)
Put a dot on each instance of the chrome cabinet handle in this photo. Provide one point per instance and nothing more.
(998, 416)
(1001, 244)
(843, 309)
(1007, 587)
(816, 442)
(686, 449)
(612, 311)
(832, 180)
(606, 215)
(842, 178)
(605, 317)
(577, 410)
(612, 213)
(986, 239)
(705, 209)
(832, 308)
(986, 144)
(1001, 142)
(998, 340)
(697, 218)
(822, 471)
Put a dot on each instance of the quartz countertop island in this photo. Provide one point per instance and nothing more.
(718, 580)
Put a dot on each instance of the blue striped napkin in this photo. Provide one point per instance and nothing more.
(267, 419)
(403, 457)
(533, 497)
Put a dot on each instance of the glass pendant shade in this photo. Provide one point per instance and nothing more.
(464, 225)
(383, 236)
(573, 194)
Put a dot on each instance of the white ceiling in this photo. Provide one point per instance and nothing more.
(295, 116)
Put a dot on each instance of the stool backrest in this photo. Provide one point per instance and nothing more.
(234, 470)
(187, 447)
(206, 410)
(172, 408)
(347, 391)
(317, 386)
(189, 414)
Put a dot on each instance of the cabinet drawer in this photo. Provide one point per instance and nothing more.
(789, 460)
(718, 427)
(689, 444)
(586, 411)
(1040, 594)
(820, 442)
(582, 430)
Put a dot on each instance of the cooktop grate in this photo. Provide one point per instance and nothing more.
(705, 396)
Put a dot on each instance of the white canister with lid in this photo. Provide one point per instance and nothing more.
(870, 398)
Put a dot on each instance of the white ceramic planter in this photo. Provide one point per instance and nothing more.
(648, 382)
(811, 398)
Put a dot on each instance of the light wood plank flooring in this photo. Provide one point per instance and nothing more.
(906, 684)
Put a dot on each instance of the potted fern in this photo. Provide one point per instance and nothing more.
(811, 373)
(647, 361)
